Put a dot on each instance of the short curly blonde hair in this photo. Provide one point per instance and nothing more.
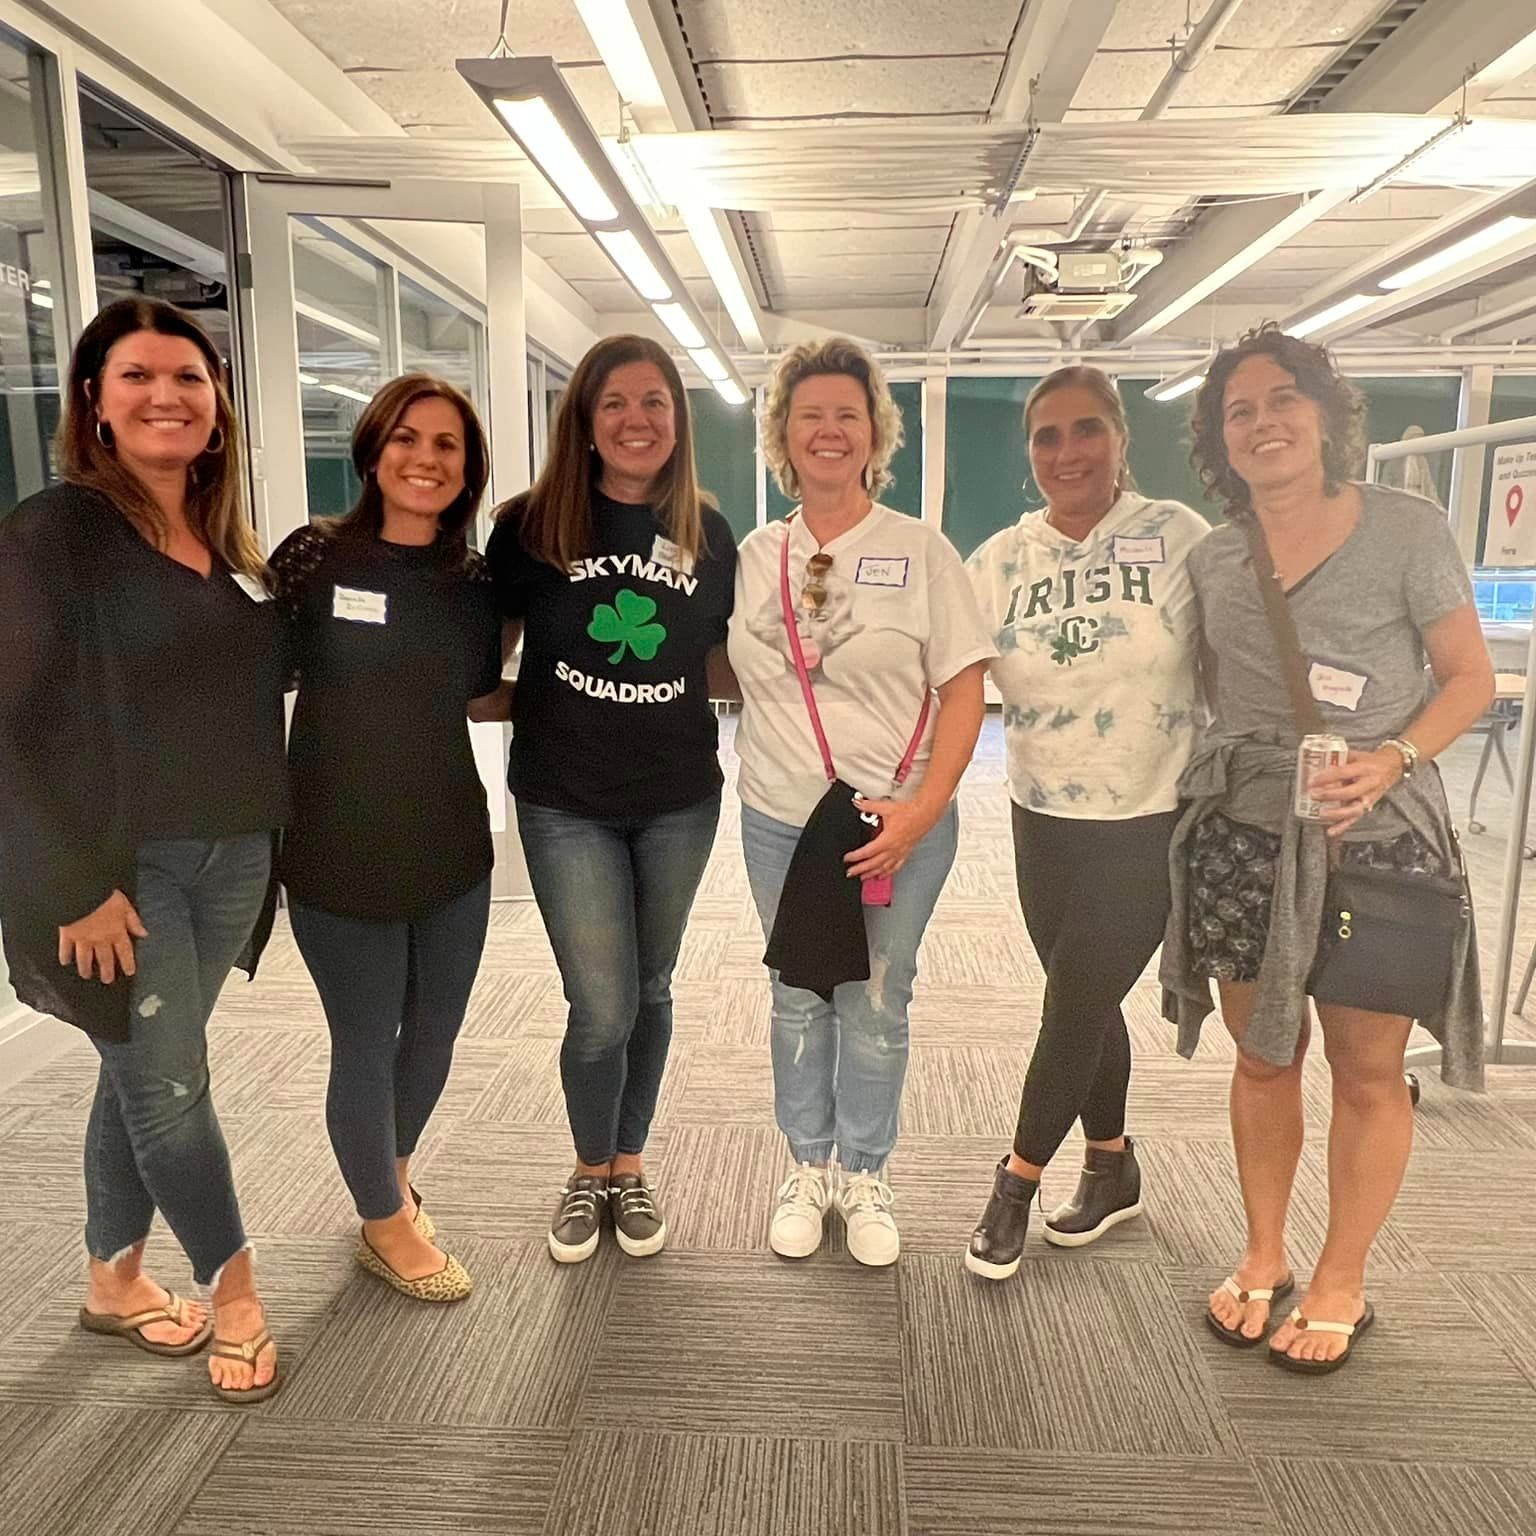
(835, 355)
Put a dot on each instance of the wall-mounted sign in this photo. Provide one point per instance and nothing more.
(1512, 506)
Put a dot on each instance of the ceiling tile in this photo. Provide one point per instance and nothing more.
(808, 29)
(959, 89)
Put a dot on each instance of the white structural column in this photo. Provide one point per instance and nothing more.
(1466, 498)
(935, 404)
(507, 341)
(1420, 68)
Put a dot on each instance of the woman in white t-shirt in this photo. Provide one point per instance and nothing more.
(1095, 627)
(874, 608)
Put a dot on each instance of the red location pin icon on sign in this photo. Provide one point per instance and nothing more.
(1513, 502)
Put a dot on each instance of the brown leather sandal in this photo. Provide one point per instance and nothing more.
(131, 1327)
(248, 1350)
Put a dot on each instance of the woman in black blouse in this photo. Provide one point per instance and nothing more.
(138, 642)
(387, 860)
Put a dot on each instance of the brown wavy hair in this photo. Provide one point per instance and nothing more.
(216, 510)
(1317, 376)
(371, 435)
(555, 517)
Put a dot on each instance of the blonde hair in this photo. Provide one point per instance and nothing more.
(839, 356)
(215, 479)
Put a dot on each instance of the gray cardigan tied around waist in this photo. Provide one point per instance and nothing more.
(1251, 779)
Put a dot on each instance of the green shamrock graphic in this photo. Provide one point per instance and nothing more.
(1064, 649)
(628, 621)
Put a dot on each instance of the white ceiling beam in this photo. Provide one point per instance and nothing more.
(1518, 303)
(1050, 53)
(1419, 69)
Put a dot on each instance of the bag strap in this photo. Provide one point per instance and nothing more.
(797, 651)
(1282, 626)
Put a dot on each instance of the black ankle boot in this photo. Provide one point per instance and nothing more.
(998, 1241)
(1108, 1192)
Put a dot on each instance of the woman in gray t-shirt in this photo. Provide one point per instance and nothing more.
(1376, 586)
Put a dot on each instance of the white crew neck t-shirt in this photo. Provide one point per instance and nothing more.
(900, 619)
(1096, 658)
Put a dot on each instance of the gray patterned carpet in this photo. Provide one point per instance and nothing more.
(718, 1391)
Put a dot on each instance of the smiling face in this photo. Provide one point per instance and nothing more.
(1272, 431)
(156, 396)
(421, 470)
(1076, 453)
(634, 428)
(829, 435)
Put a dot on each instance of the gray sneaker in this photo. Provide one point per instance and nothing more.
(578, 1222)
(639, 1226)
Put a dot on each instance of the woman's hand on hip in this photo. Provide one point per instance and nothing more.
(903, 825)
(1350, 790)
(102, 942)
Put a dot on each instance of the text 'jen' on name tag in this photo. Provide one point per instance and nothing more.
(1128, 551)
(361, 607)
(882, 571)
(1333, 685)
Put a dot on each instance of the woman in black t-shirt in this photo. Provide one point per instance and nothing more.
(622, 575)
(138, 639)
(387, 860)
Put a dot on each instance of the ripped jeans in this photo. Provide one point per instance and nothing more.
(153, 1140)
(839, 1067)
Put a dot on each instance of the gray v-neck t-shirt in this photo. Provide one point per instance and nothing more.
(1360, 617)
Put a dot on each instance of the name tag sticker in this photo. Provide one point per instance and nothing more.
(882, 571)
(361, 607)
(1125, 551)
(252, 588)
(665, 552)
(1333, 685)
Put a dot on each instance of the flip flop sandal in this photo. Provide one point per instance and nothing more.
(1235, 1336)
(1350, 1331)
(224, 1349)
(130, 1328)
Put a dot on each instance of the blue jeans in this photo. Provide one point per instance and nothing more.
(153, 1140)
(839, 1067)
(615, 896)
(394, 997)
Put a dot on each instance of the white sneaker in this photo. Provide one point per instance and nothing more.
(865, 1201)
(795, 1232)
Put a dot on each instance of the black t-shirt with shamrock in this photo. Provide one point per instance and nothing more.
(611, 716)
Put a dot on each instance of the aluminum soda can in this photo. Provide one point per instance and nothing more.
(1315, 753)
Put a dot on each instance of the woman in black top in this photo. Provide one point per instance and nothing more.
(139, 648)
(623, 577)
(387, 859)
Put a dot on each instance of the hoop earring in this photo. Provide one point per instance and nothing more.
(215, 447)
(104, 434)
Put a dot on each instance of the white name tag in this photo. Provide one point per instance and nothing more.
(252, 588)
(1333, 685)
(360, 607)
(1124, 551)
(665, 552)
(882, 571)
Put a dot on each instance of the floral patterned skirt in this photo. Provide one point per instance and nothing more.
(1232, 878)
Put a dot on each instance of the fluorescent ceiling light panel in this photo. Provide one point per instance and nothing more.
(617, 40)
(1175, 388)
(1335, 312)
(704, 230)
(1469, 245)
(709, 365)
(730, 391)
(347, 394)
(680, 323)
(539, 132)
(626, 254)
(309, 378)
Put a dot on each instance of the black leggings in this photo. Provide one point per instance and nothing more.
(1095, 899)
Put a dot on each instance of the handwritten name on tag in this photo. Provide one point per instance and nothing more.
(882, 571)
(1128, 551)
(665, 552)
(360, 607)
(1333, 685)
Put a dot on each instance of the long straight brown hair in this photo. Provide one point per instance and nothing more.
(556, 521)
(216, 478)
(372, 434)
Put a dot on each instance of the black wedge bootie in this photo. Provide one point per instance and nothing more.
(997, 1244)
(1108, 1193)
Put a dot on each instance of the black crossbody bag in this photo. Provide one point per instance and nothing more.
(1389, 937)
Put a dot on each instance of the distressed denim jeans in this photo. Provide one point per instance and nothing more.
(153, 1140)
(839, 1067)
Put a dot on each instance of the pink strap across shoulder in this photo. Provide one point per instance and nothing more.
(803, 673)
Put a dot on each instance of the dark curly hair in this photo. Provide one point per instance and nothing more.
(1317, 377)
